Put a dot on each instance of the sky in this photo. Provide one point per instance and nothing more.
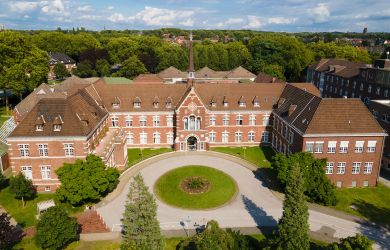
(266, 15)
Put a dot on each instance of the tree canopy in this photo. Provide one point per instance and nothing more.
(22, 188)
(131, 68)
(85, 181)
(8, 232)
(318, 187)
(141, 229)
(55, 229)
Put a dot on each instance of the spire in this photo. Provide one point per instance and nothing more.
(191, 68)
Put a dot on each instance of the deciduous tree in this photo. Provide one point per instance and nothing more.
(85, 181)
(357, 242)
(56, 229)
(141, 229)
(60, 71)
(22, 188)
(131, 68)
(8, 232)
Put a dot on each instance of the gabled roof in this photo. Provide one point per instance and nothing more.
(338, 67)
(172, 72)
(148, 79)
(265, 78)
(240, 72)
(311, 114)
(206, 72)
(78, 113)
(57, 57)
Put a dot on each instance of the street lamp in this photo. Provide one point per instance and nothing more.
(387, 55)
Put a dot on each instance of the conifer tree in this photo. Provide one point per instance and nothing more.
(293, 226)
(141, 229)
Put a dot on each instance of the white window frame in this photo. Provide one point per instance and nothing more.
(130, 138)
(371, 146)
(143, 138)
(341, 167)
(368, 167)
(319, 147)
(156, 121)
(252, 120)
(225, 120)
(212, 136)
(27, 172)
(344, 147)
(24, 150)
(239, 120)
(169, 121)
(265, 137)
(356, 167)
(266, 120)
(307, 148)
(46, 172)
(329, 168)
(213, 120)
(142, 121)
(332, 146)
(69, 149)
(43, 150)
(238, 136)
(114, 121)
(156, 138)
(251, 136)
(170, 138)
(225, 137)
(129, 121)
(359, 146)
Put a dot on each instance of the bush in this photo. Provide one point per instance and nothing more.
(318, 187)
(357, 242)
(85, 181)
(56, 229)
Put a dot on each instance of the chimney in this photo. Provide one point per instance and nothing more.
(191, 68)
(291, 109)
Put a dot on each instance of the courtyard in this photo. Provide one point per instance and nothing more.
(254, 206)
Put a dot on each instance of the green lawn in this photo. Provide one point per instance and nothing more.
(136, 155)
(260, 156)
(222, 188)
(370, 203)
(24, 216)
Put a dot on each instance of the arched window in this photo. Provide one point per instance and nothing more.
(185, 123)
(192, 123)
(198, 123)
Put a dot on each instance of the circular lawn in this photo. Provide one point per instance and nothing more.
(195, 187)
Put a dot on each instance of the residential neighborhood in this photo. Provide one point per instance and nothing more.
(192, 137)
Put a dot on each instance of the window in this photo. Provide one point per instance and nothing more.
(265, 120)
(47, 189)
(43, 150)
(192, 123)
(185, 123)
(339, 184)
(39, 127)
(57, 127)
(170, 121)
(332, 147)
(27, 171)
(143, 138)
(344, 147)
(310, 147)
(386, 93)
(239, 120)
(361, 87)
(341, 167)
(24, 151)
(265, 137)
(212, 136)
(129, 121)
(225, 137)
(225, 120)
(369, 89)
(238, 136)
(156, 121)
(212, 120)
(115, 105)
(318, 147)
(329, 168)
(371, 145)
(256, 103)
(353, 183)
(114, 121)
(45, 171)
(378, 90)
(156, 138)
(130, 138)
(368, 167)
(252, 120)
(142, 121)
(69, 149)
(356, 167)
(359, 146)
(170, 138)
(365, 183)
(291, 137)
(251, 136)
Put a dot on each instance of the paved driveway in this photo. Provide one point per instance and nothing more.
(255, 205)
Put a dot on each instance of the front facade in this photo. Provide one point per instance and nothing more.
(56, 58)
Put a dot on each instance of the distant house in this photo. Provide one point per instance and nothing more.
(57, 57)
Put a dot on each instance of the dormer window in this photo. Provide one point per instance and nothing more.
(225, 102)
(57, 127)
(241, 102)
(39, 127)
(116, 102)
(256, 102)
(168, 103)
(213, 102)
(137, 102)
(155, 102)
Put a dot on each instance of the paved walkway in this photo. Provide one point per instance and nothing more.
(255, 205)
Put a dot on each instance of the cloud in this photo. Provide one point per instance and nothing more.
(230, 22)
(160, 17)
(55, 7)
(85, 8)
(23, 6)
(254, 22)
(117, 18)
(281, 20)
(320, 13)
(110, 7)
(188, 23)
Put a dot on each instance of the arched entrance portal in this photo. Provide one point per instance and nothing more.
(192, 143)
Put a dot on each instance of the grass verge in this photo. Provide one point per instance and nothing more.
(222, 188)
(260, 156)
(136, 155)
